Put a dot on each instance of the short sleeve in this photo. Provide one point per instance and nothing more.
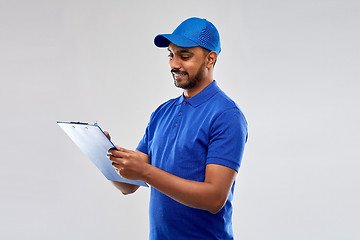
(143, 144)
(228, 135)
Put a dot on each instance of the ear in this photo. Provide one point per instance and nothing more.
(211, 59)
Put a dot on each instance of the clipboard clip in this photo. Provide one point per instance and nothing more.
(80, 123)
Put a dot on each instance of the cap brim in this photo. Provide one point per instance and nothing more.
(164, 40)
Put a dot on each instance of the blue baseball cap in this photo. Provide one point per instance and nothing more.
(192, 32)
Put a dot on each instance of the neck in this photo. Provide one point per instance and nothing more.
(188, 93)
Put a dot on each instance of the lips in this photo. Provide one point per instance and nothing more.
(178, 74)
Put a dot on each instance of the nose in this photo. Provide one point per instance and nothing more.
(174, 63)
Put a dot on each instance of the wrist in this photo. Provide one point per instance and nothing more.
(148, 168)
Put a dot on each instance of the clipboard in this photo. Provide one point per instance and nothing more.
(93, 142)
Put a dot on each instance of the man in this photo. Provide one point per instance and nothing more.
(193, 145)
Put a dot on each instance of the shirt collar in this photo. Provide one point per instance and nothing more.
(202, 96)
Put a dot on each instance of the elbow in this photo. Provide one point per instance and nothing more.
(127, 192)
(215, 210)
(129, 189)
(216, 206)
(125, 188)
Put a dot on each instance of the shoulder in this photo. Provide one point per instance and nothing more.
(165, 107)
(226, 113)
(224, 101)
(222, 104)
(168, 103)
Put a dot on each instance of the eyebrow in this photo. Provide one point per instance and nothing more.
(183, 50)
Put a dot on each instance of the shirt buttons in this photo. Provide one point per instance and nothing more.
(180, 113)
(184, 103)
(175, 124)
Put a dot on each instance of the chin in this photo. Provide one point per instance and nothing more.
(187, 85)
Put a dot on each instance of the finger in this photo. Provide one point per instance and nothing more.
(111, 151)
(111, 155)
(118, 154)
(115, 159)
(107, 134)
(117, 168)
(121, 149)
(114, 152)
(115, 165)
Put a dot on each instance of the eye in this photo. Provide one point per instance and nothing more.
(185, 58)
(170, 55)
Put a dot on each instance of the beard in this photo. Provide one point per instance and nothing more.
(192, 81)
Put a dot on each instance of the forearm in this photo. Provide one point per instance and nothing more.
(125, 188)
(209, 195)
(201, 195)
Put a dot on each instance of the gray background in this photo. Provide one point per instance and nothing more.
(292, 66)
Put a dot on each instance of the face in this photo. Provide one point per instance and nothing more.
(187, 65)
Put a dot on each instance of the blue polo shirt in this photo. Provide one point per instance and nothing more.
(182, 137)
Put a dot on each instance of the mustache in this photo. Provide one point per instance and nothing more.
(177, 71)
